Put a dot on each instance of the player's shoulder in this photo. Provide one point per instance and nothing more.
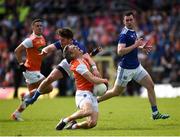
(124, 31)
(76, 42)
(57, 43)
(32, 37)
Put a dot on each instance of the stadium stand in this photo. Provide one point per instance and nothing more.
(94, 23)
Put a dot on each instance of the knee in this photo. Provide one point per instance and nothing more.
(150, 86)
(92, 123)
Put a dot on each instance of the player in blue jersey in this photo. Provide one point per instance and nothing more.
(63, 69)
(130, 68)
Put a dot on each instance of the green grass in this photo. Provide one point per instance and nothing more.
(121, 116)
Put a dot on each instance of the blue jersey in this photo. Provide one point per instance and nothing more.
(130, 60)
(75, 42)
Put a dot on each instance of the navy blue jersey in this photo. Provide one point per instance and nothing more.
(130, 60)
(75, 42)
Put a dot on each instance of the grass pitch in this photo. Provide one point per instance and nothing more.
(120, 116)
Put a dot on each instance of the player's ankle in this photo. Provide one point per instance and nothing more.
(75, 126)
(66, 120)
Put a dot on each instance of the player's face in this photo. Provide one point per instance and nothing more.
(65, 41)
(38, 28)
(129, 21)
(76, 51)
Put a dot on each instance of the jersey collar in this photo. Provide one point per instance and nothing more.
(36, 35)
(129, 29)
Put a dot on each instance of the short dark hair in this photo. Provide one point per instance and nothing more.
(67, 54)
(36, 20)
(65, 33)
(128, 13)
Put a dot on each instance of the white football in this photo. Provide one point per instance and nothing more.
(99, 89)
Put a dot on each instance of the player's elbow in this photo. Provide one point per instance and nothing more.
(17, 51)
(92, 80)
(120, 52)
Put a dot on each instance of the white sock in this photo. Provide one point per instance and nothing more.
(74, 126)
(17, 113)
(66, 120)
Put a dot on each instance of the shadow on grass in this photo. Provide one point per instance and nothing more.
(7, 120)
(120, 128)
(169, 124)
(27, 120)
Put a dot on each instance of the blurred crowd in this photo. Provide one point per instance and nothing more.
(94, 23)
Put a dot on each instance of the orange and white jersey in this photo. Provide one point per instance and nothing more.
(34, 44)
(79, 67)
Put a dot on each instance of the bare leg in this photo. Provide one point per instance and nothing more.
(16, 114)
(42, 89)
(85, 111)
(149, 85)
(32, 88)
(53, 76)
(115, 91)
(90, 122)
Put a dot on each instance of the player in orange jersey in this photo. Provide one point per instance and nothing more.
(31, 67)
(85, 100)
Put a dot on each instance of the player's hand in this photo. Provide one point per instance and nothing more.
(22, 67)
(147, 48)
(96, 51)
(139, 42)
(43, 53)
(105, 82)
(99, 48)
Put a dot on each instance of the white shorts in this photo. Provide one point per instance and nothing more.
(86, 96)
(66, 66)
(126, 75)
(32, 76)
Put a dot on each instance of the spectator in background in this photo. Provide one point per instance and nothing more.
(86, 22)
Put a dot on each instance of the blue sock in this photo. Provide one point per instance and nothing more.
(154, 109)
(36, 95)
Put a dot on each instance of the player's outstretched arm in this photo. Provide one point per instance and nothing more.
(95, 51)
(50, 48)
